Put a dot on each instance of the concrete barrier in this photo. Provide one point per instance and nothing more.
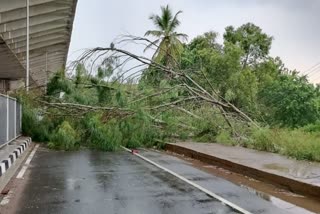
(13, 156)
(278, 180)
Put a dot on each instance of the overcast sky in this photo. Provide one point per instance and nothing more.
(294, 24)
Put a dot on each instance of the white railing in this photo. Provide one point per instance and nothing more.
(10, 119)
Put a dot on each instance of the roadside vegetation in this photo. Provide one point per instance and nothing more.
(232, 93)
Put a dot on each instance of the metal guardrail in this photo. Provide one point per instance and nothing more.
(10, 119)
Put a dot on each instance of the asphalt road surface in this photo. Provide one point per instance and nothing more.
(100, 182)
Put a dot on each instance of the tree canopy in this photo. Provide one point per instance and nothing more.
(169, 42)
(250, 38)
(233, 92)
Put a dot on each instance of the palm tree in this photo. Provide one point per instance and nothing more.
(169, 42)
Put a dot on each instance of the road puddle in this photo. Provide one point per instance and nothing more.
(277, 167)
(294, 203)
(278, 202)
(302, 171)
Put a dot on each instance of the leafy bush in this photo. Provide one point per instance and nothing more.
(314, 127)
(224, 137)
(64, 138)
(209, 125)
(297, 143)
(300, 145)
(264, 139)
(33, 125)
(140, 131)
(101, 136)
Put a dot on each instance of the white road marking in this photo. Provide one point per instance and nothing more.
(208, 192)
(7, 198)
(25, 167)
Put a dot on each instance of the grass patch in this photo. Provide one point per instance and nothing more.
(296, 143)
(224, 137)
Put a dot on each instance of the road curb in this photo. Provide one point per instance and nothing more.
(8, 162)
(278, 180)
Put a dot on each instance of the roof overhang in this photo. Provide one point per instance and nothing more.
(10, 66)
(51, 24)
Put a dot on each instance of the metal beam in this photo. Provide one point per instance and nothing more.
(49, 38)
(40, 45)
(51, 48)
(60, 30)
(36, 20)
(50, 28)
(34, 29)
(50, 59)
(7, 5)
(28, 46)
(20, 13)
(39, 55)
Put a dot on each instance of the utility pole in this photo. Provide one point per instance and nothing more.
(27, 48)
(46, 81)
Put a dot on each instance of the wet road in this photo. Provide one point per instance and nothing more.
(99, 182)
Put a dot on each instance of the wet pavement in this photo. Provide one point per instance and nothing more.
(100, 182)
(304, 171)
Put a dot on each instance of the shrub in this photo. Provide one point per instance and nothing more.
(34, 125)
(224, 137)
(101, 136)
(296, 143)
(140, 131)
(264, 139)
(64, 138)
(315, 127)
(210, 124)
(300, 144)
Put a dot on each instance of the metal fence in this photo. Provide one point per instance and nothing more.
(10, 119)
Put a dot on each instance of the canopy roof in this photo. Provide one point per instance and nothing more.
(50, 32)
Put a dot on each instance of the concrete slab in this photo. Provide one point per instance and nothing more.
(298, 176)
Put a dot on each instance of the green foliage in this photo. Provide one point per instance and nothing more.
(297, 143)
(244, 89)
(139, 131)
(209, 124)
(169, 45)
(64, 138)
(291, 101)
(238, 72)
(254, 43)
(133, 132)
(101, 136)
(152, 77)
(224, 137)
(58, 83)
(264, 139)
(206, 41)
(208, 59)
(33, 123)
(301, 145)
(314, 127)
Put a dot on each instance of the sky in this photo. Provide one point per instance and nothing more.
(294, 24)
